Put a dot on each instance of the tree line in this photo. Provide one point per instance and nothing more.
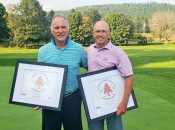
(27, 23)
(140, 13)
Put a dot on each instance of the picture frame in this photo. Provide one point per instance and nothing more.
(102, 91)
(38, 84)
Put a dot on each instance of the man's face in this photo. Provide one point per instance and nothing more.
(59, 29)
(101, 33)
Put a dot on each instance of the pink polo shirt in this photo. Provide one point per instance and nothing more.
(107, 57)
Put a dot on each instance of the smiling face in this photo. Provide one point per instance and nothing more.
(60, 30)
(101, 33)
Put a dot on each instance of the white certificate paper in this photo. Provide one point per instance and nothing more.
(38, 84)
(102, 92)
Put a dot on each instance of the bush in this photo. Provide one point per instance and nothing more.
(149, 37)
(4, 44)
(140, 39)
(34, 46)
(12, 44)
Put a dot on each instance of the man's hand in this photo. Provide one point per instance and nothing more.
(122, 108)
(36, 108)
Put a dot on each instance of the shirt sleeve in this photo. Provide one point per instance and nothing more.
(40, 56)
(83, 59)
(124, 65)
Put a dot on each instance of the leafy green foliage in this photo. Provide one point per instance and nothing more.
(28, 22)
(93, 14)
(49, 16)
(86, 31)
(75, 22)
(121, 27)
(140, 39)
(4, 31)
(131, 10)
(141, 24)
(139, 12)
(80, 27)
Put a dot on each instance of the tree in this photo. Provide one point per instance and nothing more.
(49, 16)
(4, 30)
(28, 22)
(93, 15)
(86, 31)
(13, 22)
(162, 24)
(141, 25)
(121, 27)
(80, 27)
(75, 25)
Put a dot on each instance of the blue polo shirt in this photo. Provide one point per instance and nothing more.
(72, 54)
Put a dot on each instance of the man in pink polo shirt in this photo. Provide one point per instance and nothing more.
(103, 54)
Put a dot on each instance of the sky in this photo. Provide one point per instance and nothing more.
(57, 5)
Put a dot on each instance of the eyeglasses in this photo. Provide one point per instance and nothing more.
(101, 31)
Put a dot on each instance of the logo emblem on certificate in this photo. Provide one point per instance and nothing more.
(107, 89)
(39, 82)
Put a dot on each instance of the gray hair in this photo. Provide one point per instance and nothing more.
(56, 16)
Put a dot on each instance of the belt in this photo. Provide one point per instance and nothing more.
(68, 94)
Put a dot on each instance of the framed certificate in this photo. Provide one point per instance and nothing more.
(38, 84)
(102, 91)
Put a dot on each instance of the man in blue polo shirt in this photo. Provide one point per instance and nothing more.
(62, 50)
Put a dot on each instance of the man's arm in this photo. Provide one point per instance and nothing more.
(122, 108)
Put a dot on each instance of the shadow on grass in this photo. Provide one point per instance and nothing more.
(11, 58)
(139, 59)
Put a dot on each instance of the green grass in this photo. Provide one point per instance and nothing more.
(154, 68)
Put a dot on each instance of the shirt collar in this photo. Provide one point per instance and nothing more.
(67, 42)
(108, 46)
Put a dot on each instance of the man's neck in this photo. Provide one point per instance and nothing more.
(101, 45)
(60, 44)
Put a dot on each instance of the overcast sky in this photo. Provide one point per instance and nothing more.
(69, 4)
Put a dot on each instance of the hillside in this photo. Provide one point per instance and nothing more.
(131, 10)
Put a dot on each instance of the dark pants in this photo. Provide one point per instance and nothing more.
(69, 116)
